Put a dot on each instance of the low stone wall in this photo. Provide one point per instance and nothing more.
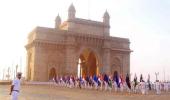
(5, 82)
(39, 83)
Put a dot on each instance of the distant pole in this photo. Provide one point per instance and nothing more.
(20, 63)
(16, 69)
(14, 73)
(164, 74)
(8, 75)
(3, 74)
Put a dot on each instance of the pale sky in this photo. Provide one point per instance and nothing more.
(145, 22)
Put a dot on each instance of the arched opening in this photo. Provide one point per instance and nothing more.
(52, 73)
(88, 64)
(116, 67)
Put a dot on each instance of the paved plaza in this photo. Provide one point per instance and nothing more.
(51, 92)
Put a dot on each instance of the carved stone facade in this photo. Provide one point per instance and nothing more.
(57, 51)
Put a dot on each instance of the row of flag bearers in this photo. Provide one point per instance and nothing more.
(113, 82)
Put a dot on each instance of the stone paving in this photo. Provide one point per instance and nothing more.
(51, 92)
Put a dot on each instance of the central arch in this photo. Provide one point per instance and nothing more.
(88, 63)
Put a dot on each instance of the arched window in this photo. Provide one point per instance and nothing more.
(116, 66)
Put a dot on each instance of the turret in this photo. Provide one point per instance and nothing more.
(71, 12)
(57, 22)
(106, 22)
(106, 18)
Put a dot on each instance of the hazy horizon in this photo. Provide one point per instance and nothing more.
(145, 22)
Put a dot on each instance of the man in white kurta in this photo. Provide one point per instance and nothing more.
(157, 86)
(15, 87)
(142, 87)
(166, 86)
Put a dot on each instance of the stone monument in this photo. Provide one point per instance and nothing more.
(57, 51)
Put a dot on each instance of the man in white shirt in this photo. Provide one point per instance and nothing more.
(157, 86)
(166, 86)
(15, 87)
(142, 87)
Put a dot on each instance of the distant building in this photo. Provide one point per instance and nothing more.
(57, 51)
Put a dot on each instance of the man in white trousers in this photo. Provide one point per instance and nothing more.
(15, 87)
(158, 87)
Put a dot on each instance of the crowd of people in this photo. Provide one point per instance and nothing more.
(103, 82)
(113, 82)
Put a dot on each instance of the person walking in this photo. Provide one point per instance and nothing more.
(158, 87)
(15, 87)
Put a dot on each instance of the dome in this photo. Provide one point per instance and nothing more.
(106, 15)
(58, 18)
(71, 8)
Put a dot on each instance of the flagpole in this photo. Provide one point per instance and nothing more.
(13, 72)
(20, 63)
(8, 73)
(3, 74)
(16, 69)
(164, 74)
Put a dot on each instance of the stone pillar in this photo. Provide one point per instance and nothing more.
(106, 61)
(27, 66)
(126, 64)
(71, 67)
(35, 71)
(40, 67)
(28, 62)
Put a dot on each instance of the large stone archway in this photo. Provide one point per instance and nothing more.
(76, 38)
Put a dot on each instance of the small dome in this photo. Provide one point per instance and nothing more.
(72, 8)
(106, 15)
